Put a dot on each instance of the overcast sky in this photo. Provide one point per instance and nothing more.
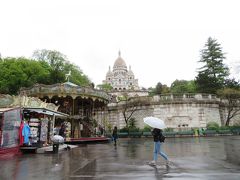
(160, 39)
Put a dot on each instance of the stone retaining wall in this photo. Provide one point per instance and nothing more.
(179, 112)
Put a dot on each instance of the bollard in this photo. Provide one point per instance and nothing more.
(55, 148)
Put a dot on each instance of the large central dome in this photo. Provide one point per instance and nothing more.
(120, 78)
(119, 63)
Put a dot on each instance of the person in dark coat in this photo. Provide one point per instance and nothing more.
(62, 131)
(157, 138)
(115, 135)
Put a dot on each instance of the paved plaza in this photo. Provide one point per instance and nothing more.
(191, 158)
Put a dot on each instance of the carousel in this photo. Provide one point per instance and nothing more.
(84, 105)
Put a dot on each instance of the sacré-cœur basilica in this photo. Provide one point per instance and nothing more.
(179, 111)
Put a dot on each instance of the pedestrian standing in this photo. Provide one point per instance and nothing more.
(62, 130)
(115, 135)
(158, 142)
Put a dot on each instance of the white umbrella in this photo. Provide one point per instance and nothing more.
(154, 122)
(57, 139)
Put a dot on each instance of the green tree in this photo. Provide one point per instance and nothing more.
(129, 105)
(159, 89)
(60, 66)
(106, 87)
(56, 60)
(77, 76)
(20, 72)
(132, 123)
(232, 83)
(183, 86)
(212, 74)
(231, 100)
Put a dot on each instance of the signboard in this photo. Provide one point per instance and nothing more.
(10, 128)
(44, 130)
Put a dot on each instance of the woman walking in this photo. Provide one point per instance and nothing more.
(158, 140)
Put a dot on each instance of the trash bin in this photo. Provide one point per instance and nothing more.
(55, 148)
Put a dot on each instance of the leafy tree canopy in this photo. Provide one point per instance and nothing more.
(159, 89)
(183, 86)
(212, 74)
(49, 67)
(231, 100)
(232, 83)
(21, 72)
(106, 87)
(60, 66)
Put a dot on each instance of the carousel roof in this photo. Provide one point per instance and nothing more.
(63, 90)
(71, 84)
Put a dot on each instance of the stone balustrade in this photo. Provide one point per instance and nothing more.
(185, 97)
(168, 98)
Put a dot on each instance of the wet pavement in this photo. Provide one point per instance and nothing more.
(191, 158)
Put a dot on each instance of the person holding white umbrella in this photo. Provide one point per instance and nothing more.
(158, 138)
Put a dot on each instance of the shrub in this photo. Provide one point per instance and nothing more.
(125, 129)
(147, 128)
(234, 127)
(168, 130)
(133, 129)
(132, 123)
(224, 128)
(212, 126)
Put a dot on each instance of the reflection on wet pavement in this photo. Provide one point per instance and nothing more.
(191, 158)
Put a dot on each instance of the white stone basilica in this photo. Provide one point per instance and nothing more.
(121, 78)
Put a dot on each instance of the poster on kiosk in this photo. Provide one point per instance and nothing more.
(10, 120)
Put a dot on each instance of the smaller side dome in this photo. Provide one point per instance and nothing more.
(130, 73)
(109, 73)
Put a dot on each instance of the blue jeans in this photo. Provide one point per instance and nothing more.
(157, 150)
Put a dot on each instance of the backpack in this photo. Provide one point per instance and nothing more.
(162, 138)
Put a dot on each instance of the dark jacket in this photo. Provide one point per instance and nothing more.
(157, 134)
(62, 131)
(114, 134)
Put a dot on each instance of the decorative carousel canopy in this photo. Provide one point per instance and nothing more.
(8, 101)
(63, 90)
